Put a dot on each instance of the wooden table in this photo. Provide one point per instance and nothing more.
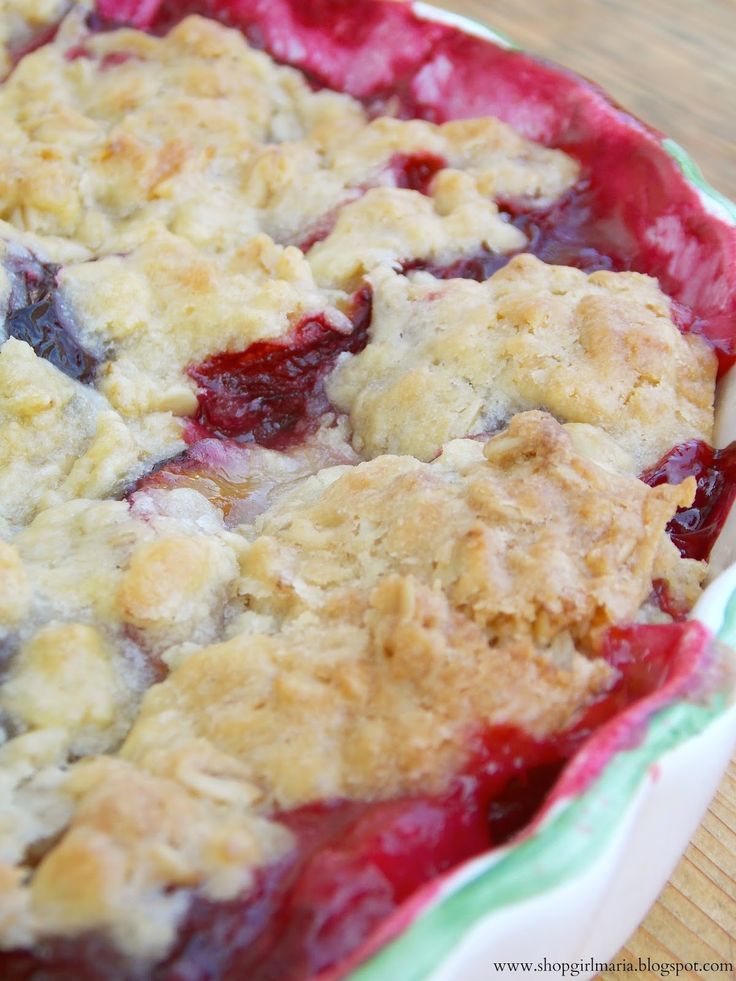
(672, 62)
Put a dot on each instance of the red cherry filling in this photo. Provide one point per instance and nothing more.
(355, 862)
(36, 317)
(416, 171)
(564, 234)
(273, 392)
(320, 229)
(695, 529)
(109, 60)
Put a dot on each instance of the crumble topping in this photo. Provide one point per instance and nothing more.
(135, 836)
(61, 440)
(504, 165)
(387, 225)
(405, 601)
(400, 602)
(456, 358)
(135, 832)
(168, 637)
(198, 133)
(165, 576)
(167, 305)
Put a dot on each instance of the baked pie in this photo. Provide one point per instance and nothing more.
(353, 471)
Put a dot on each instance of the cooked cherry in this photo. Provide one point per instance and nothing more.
(416, 171)
(480, 265)
(662, 596)
(695, 529)
(564, 234)
(273, 392)
(36, 318)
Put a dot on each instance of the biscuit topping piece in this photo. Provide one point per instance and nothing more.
(457, 358)
(405, 602)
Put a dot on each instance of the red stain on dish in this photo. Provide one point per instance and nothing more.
(341, 891)
(273, 392)
(658, 664)
(695, 529)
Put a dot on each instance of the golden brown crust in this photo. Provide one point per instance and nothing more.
(406, 602)
(458, 358)
(402, 603)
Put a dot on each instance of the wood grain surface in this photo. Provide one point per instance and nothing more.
(673, 63)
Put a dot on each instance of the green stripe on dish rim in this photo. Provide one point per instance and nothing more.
(556, 851)
(715, 202)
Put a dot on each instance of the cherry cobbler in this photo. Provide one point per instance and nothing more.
(350, 478)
